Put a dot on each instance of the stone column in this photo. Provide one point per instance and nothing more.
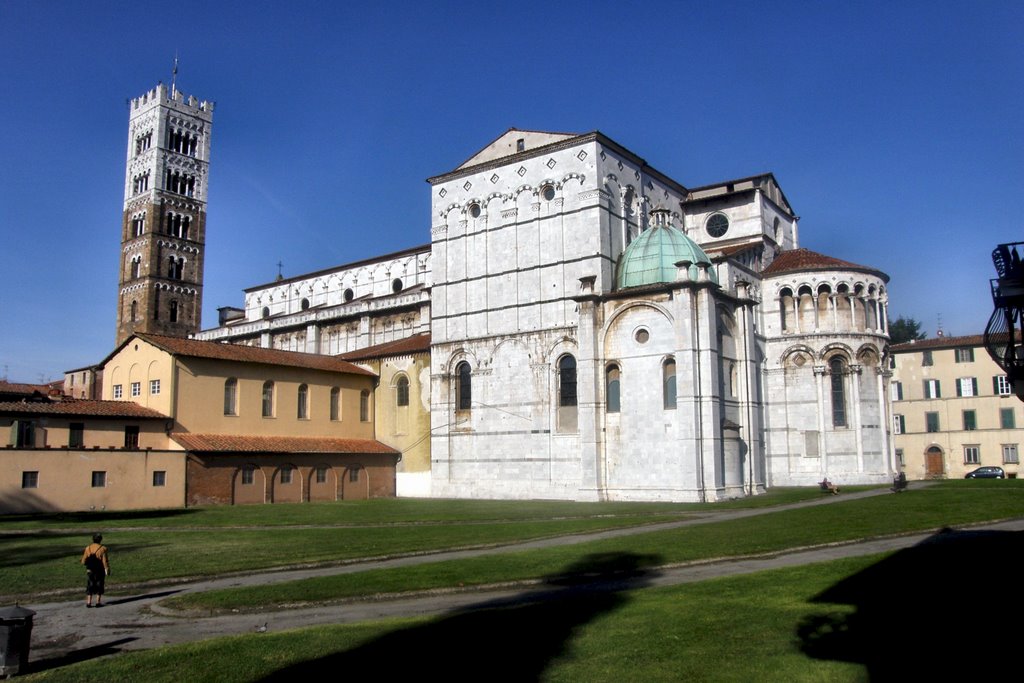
(588, 392)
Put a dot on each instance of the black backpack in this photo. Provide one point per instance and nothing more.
(94, 563)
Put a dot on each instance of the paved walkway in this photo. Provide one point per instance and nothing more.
(66, 632)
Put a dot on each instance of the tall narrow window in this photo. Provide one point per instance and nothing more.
(567, 381)
(567, 420)
(131, 437)
(612, 388)
(335, 403)
(463, 387)
(76, 435)
(303, 400)
(668, 384)
(931, 421)
(838, 393)
(135, 311)
(970, 420)
(1007, 419)
(174, 312)
(364, 405)
(268, 399)
(932, 388)
(231, 396)
(402, 391)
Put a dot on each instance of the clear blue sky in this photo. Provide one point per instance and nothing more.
(894, 128)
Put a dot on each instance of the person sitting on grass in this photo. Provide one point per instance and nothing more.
(826, 485)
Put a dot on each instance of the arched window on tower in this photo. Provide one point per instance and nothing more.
(668, 384)
(136, 266)
(135, 310)
(173, 317)
(402, 391)
(463, 386)
(838, 370)
(567, 399)
(612, 383)
(303, 402)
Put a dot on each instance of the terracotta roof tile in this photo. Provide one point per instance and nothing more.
(944, 343)
(418, 343)
(805, 259)
(24, 389)
(82, 407)
(250, 354)
(237, 443)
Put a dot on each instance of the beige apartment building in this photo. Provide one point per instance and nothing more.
(954, 409)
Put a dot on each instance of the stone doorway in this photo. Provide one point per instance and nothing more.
(934, 463)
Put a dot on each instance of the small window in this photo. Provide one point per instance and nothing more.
(402, 391)
(931, 421)
(248, 475)
(932, 389)
(335, 403)
(642, 336)
(76, 435)
(896, 391)
(463, 386)
(717, 225)
(118, 391)
(396, 285)
(154, 386)
(99, 479)
(899, 425)
(349, 295)
(970, 420)
(266, 312)
(268, 399)
(159, 478)
(131, 437)
(567, 382)
(353, 473)
(964, 355)
(136, 389)
(304, 305)
(364, 405)
(1007, 418)
(286, 474)
(612, 398)
(972, 455)
(926, 358)
(899, 457)
(1001, 385)
(668, 384)
(967, 386)
(321, 475)
(474, 210)
(548, 192)
(521, 145)
(303, 402)
(1010, 454)
(231, 396)
(30, 479)
(173, 314)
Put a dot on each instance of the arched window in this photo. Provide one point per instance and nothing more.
(566, 381)
(396, 285)
(349, 295)
(364, 405)
(136, 266)
(303, 402)
(837, 369)
(304, 305)
(265, 312)
(567, 398)
(268, 399)
(135, 310)
(668, 384)
(231, 396)
(402, 391)
(335, 403)
(463, 387)
(612, 397)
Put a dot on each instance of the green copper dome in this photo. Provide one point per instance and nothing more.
(652, 257)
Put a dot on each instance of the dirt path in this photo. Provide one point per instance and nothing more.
(66, 632)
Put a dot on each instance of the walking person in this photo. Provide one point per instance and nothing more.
(97, 568)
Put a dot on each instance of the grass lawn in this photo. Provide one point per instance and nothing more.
(953, 503)
(40, 553)
(737, 629)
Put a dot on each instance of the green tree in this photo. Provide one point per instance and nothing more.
(905, 329)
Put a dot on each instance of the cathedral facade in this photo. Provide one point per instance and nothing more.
(599, 331)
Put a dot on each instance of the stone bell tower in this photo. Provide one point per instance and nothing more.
(163, 229)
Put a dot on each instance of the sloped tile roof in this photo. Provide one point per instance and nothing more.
(24, 389)
(82, 407)
(805, 259)
(250, 354)
(947, 342)
(417, 343)
(239, 443)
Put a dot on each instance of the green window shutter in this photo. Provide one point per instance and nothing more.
(959, 391)
(974, 384)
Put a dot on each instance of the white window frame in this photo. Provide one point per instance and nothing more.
(896, 391)
(1003, 386)
(1011, 454)
(972, 454)
(136, 389)
(118, 391)
(967, 387)
(964, 355)
(154, 387)
(932, 388)
(899, 424)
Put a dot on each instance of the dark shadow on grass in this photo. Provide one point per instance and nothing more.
(28, 554)
(75, 656)
(145, 596)
(947, 608)
(514, 639)
(94, 518)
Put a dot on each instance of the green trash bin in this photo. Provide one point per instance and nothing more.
(15, 638)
